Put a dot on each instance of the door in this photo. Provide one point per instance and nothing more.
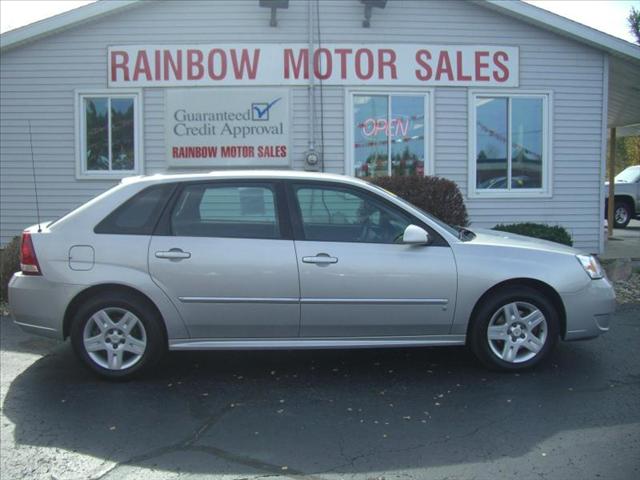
(356, 277)
(227, 261)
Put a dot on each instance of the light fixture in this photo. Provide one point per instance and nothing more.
(274, 5)
(368, 7)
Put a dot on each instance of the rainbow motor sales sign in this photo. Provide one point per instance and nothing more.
(294, 64)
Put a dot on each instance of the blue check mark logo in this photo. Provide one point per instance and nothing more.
(261, 110)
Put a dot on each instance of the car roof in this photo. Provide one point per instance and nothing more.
(242, 175)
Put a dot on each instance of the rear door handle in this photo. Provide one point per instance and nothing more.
(173, 254)
(320, 258)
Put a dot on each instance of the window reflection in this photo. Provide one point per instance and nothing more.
(97, 133)
(509, 150)
(371, 140)
(526, 143)
(408, 127)
(491, 142)
(109, 133)
(122, 133)
(389, 135)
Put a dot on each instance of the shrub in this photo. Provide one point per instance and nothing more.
(9, 264)
(438, 196)
(553, 233)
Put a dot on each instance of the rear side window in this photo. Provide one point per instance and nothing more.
(139, 214)
(232, 211)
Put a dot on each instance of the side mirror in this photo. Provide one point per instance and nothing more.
(414, 235)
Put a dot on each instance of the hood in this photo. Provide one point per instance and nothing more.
(505, 239)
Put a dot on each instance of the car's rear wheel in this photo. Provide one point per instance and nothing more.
(117, 335)
(514, 329)
(621, 214)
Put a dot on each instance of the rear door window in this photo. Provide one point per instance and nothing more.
(226, 210)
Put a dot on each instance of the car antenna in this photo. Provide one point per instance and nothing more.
(35, 185)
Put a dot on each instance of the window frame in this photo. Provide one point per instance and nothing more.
(82, 172)
(427, 93)
(546, 190)
(164, 228)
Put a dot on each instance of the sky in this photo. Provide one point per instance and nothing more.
(609, 16)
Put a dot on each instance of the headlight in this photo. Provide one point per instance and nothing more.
(591, 266)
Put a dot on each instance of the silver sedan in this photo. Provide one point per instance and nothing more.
(261, 260)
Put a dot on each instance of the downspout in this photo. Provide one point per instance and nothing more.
(311, 88)
(602, 234)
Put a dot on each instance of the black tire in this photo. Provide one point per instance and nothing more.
(478, 330)
(156, 341)
(622, 214)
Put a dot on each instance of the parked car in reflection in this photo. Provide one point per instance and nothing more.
(262, 260)
(518, 181)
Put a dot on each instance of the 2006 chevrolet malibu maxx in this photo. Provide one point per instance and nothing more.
(255, 260)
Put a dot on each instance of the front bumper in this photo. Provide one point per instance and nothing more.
(38, 306)
(589, 310)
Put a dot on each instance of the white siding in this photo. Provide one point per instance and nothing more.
(38, 82)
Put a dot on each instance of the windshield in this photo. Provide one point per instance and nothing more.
(452, 230)
(629, 175)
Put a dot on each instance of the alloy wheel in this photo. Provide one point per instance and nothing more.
(114, 338)
(517, 332)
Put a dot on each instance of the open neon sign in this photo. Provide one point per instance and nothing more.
(393, 127)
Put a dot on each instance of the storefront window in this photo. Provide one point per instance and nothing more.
(510, 139)
(108, 135)
(389, 133)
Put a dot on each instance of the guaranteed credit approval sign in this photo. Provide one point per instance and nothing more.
(208, 127)
(333, 64)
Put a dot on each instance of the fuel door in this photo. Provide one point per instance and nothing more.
(81, 257)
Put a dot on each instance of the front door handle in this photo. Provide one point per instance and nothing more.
(320, 259)
(173, 254)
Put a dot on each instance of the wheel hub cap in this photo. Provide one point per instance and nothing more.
(621, 215)
(516, 331)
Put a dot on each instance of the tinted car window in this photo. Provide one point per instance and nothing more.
(236, 211)
(333, 214)
(139, 214)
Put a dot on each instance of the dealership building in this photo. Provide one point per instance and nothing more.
(511, 102)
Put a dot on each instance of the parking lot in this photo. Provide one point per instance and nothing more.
(414, 413)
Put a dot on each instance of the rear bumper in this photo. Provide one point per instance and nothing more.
(38, 306)
(589, 310)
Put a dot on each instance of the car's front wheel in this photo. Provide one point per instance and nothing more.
(514, 329)
(117, 335)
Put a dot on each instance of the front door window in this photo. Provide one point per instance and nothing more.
(334, 214)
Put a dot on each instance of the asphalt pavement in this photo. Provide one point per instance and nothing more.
(428, 413)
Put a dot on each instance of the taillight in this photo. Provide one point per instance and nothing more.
(28, 261)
